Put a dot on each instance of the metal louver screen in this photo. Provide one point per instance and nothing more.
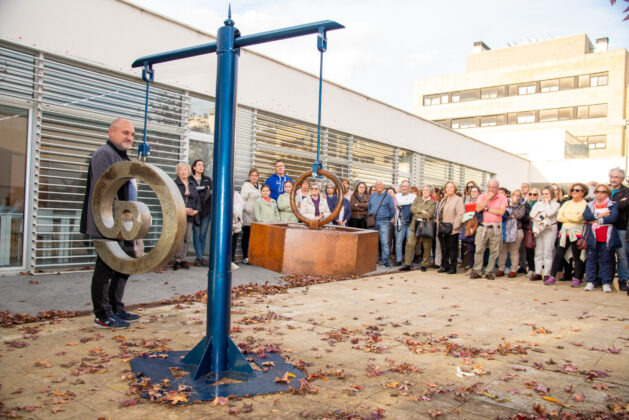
(17, 74)
(436, 172)
(372, 161)
(477, 176)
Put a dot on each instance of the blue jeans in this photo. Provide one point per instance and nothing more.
(383, 228)
(198, 235)
(401, 232)
(621, 257)
(599, 261)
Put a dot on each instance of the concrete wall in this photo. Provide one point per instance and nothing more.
(113, 33)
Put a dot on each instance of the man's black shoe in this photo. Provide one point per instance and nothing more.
(126, 316)
(176, 265)
(405, 268)
(622, 285)
(442, 270)
(522, 270)
(397, 263)
(423, 268)
(452, 271)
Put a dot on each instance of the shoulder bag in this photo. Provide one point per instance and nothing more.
(370, 219)
(582, 242)
(529, 238)
(445, 228)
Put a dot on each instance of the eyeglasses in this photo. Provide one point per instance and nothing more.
(533, 194)
(555, 188)
(576, 190)
(601, 192)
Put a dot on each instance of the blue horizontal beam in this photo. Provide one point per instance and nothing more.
(291, 32)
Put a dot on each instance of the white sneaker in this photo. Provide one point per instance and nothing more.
(235, 266)
(607, 288)
(246, 260)
(589, 287)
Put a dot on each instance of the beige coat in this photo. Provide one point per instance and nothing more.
(308, 207)
(451, 210)
(249, 194)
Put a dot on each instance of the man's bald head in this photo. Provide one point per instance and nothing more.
(121, 133)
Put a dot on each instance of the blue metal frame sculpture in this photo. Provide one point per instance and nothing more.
(216, 356)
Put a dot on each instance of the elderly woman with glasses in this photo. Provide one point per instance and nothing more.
(573, 224)
(315, 206)
(544, 217)
(602, 238)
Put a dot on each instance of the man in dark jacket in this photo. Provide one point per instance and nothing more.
(620, 195)
(107, 284)
(381, 205)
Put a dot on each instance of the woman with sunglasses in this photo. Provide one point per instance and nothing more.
(602, 238)
(571, 216)
(315, 206)
(467, 196)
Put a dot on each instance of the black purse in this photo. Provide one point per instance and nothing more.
(424, 228)
(444, 229)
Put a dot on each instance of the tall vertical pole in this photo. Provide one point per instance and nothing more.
(219, 275)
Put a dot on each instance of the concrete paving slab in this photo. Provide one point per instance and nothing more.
(388, 345)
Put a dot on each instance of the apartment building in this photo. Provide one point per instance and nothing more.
(553, 102)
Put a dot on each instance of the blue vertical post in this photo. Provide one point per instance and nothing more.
(219, 276)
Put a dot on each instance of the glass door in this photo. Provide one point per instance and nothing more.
(13, 146)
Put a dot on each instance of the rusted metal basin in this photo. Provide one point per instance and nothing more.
(293, 248)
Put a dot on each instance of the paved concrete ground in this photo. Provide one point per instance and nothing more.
(71, 291)
(389, 345)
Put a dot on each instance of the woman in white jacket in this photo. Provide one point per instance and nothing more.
(544, 218)
(315, 206)
(250, 192)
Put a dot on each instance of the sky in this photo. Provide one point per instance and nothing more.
(388, 44)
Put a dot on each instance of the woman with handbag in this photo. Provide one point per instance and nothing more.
(359, 204)
(188, 191)
(470, 223)
(544, 219)
(422, 228)
(250, 192)
(602, 238)
(512, 235)
(449, 217)
(571, 234)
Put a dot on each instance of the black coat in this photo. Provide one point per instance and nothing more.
(623, 207)
(192, 200)
(205, 194)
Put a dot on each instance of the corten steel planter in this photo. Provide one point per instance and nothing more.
(293, 248)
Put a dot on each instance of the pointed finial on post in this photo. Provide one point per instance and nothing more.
(229, 21)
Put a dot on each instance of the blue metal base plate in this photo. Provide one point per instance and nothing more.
(158, 368)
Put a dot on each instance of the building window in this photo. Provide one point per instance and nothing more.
(548, 115)
(596, 142)
(492, 92)
(527, 89)
(466, 95)
(599, 79)
(584, 80)
(597, 111)
(492, 120)
(566, 83)
(566, 114)
(465, 123)
(549, 85)
(526, 117)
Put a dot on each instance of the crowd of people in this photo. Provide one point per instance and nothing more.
(541, 233)
(549, 236)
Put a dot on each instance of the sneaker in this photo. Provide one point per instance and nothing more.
(126, 316)
(474, 275)
(405, 268)
(111, 322)
(549, 281)
(246, 261)
(575, 282)
(198, 263)
(235, 266)
(589, 287)
(184, 264)
(386, 264)
(607, 288)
